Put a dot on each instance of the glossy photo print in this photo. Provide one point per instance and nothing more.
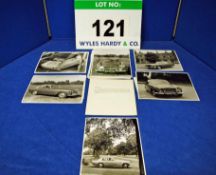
(112, 146)
(62, 62)
(165, 86)
(110, 63)
(157, 60)
(55, 89)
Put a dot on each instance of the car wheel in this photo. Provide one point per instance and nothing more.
(62, 95)
(153, 92)
(100, 165)
(180, 95)
(34, 92)
(125, 165)
(147, 88)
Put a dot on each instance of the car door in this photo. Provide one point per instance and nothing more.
(112, 162)
(47, 90)
(70, 63)
(106, 162)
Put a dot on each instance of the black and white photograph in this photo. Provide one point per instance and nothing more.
(110, 63)
(55, 89)
(62, 62)
(112, 146)
(157, 60)
(166, 86)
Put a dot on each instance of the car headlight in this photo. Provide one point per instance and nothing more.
(161, 90)
(179, 90)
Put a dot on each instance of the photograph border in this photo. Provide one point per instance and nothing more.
(117, 117)
(161, 70)
(55, 103)
(71, 72)
(174, 99)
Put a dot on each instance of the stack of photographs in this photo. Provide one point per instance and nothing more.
(111, 89)
(112, 146)
(159, 76)
(51, 86)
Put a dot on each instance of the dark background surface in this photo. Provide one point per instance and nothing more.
(22, 28)
(177, 137)
(196, 30)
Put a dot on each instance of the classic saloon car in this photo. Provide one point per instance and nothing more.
(58, 64)
(50, 90)
(159, 87)
(110, 162)
(160, 65)
(112, 67)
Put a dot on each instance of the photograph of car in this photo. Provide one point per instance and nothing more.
(112, 146)
(55, 89)
(52, 90)
(110, 63)
(165, 86)
(166, 60)
(159, 87)
(62, 62)
(160, 65)
(111, 67)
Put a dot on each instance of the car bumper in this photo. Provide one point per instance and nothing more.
(169, 93)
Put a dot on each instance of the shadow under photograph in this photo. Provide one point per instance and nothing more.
(166, 60)
(112, 146)
(62, 62)
(165, 86)
(55, 89)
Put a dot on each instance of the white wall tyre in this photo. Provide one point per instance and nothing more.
(34, 92)
(125, 165)
(62, 95)
(100, 165)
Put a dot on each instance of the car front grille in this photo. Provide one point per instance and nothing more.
(169, 90)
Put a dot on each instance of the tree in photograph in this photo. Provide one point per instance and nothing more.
(112, 151)
(100, 134)
(115, 127)
(122, 148)
(132, 144)
(127, 148)
(99, 141)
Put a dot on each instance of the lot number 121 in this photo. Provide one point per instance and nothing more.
(109, 30)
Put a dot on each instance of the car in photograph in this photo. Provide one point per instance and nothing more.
(151, 57)
(160, 87)
(160, 65)
(51, 90)
(58, 64)
(112, 67)
(111, 163)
